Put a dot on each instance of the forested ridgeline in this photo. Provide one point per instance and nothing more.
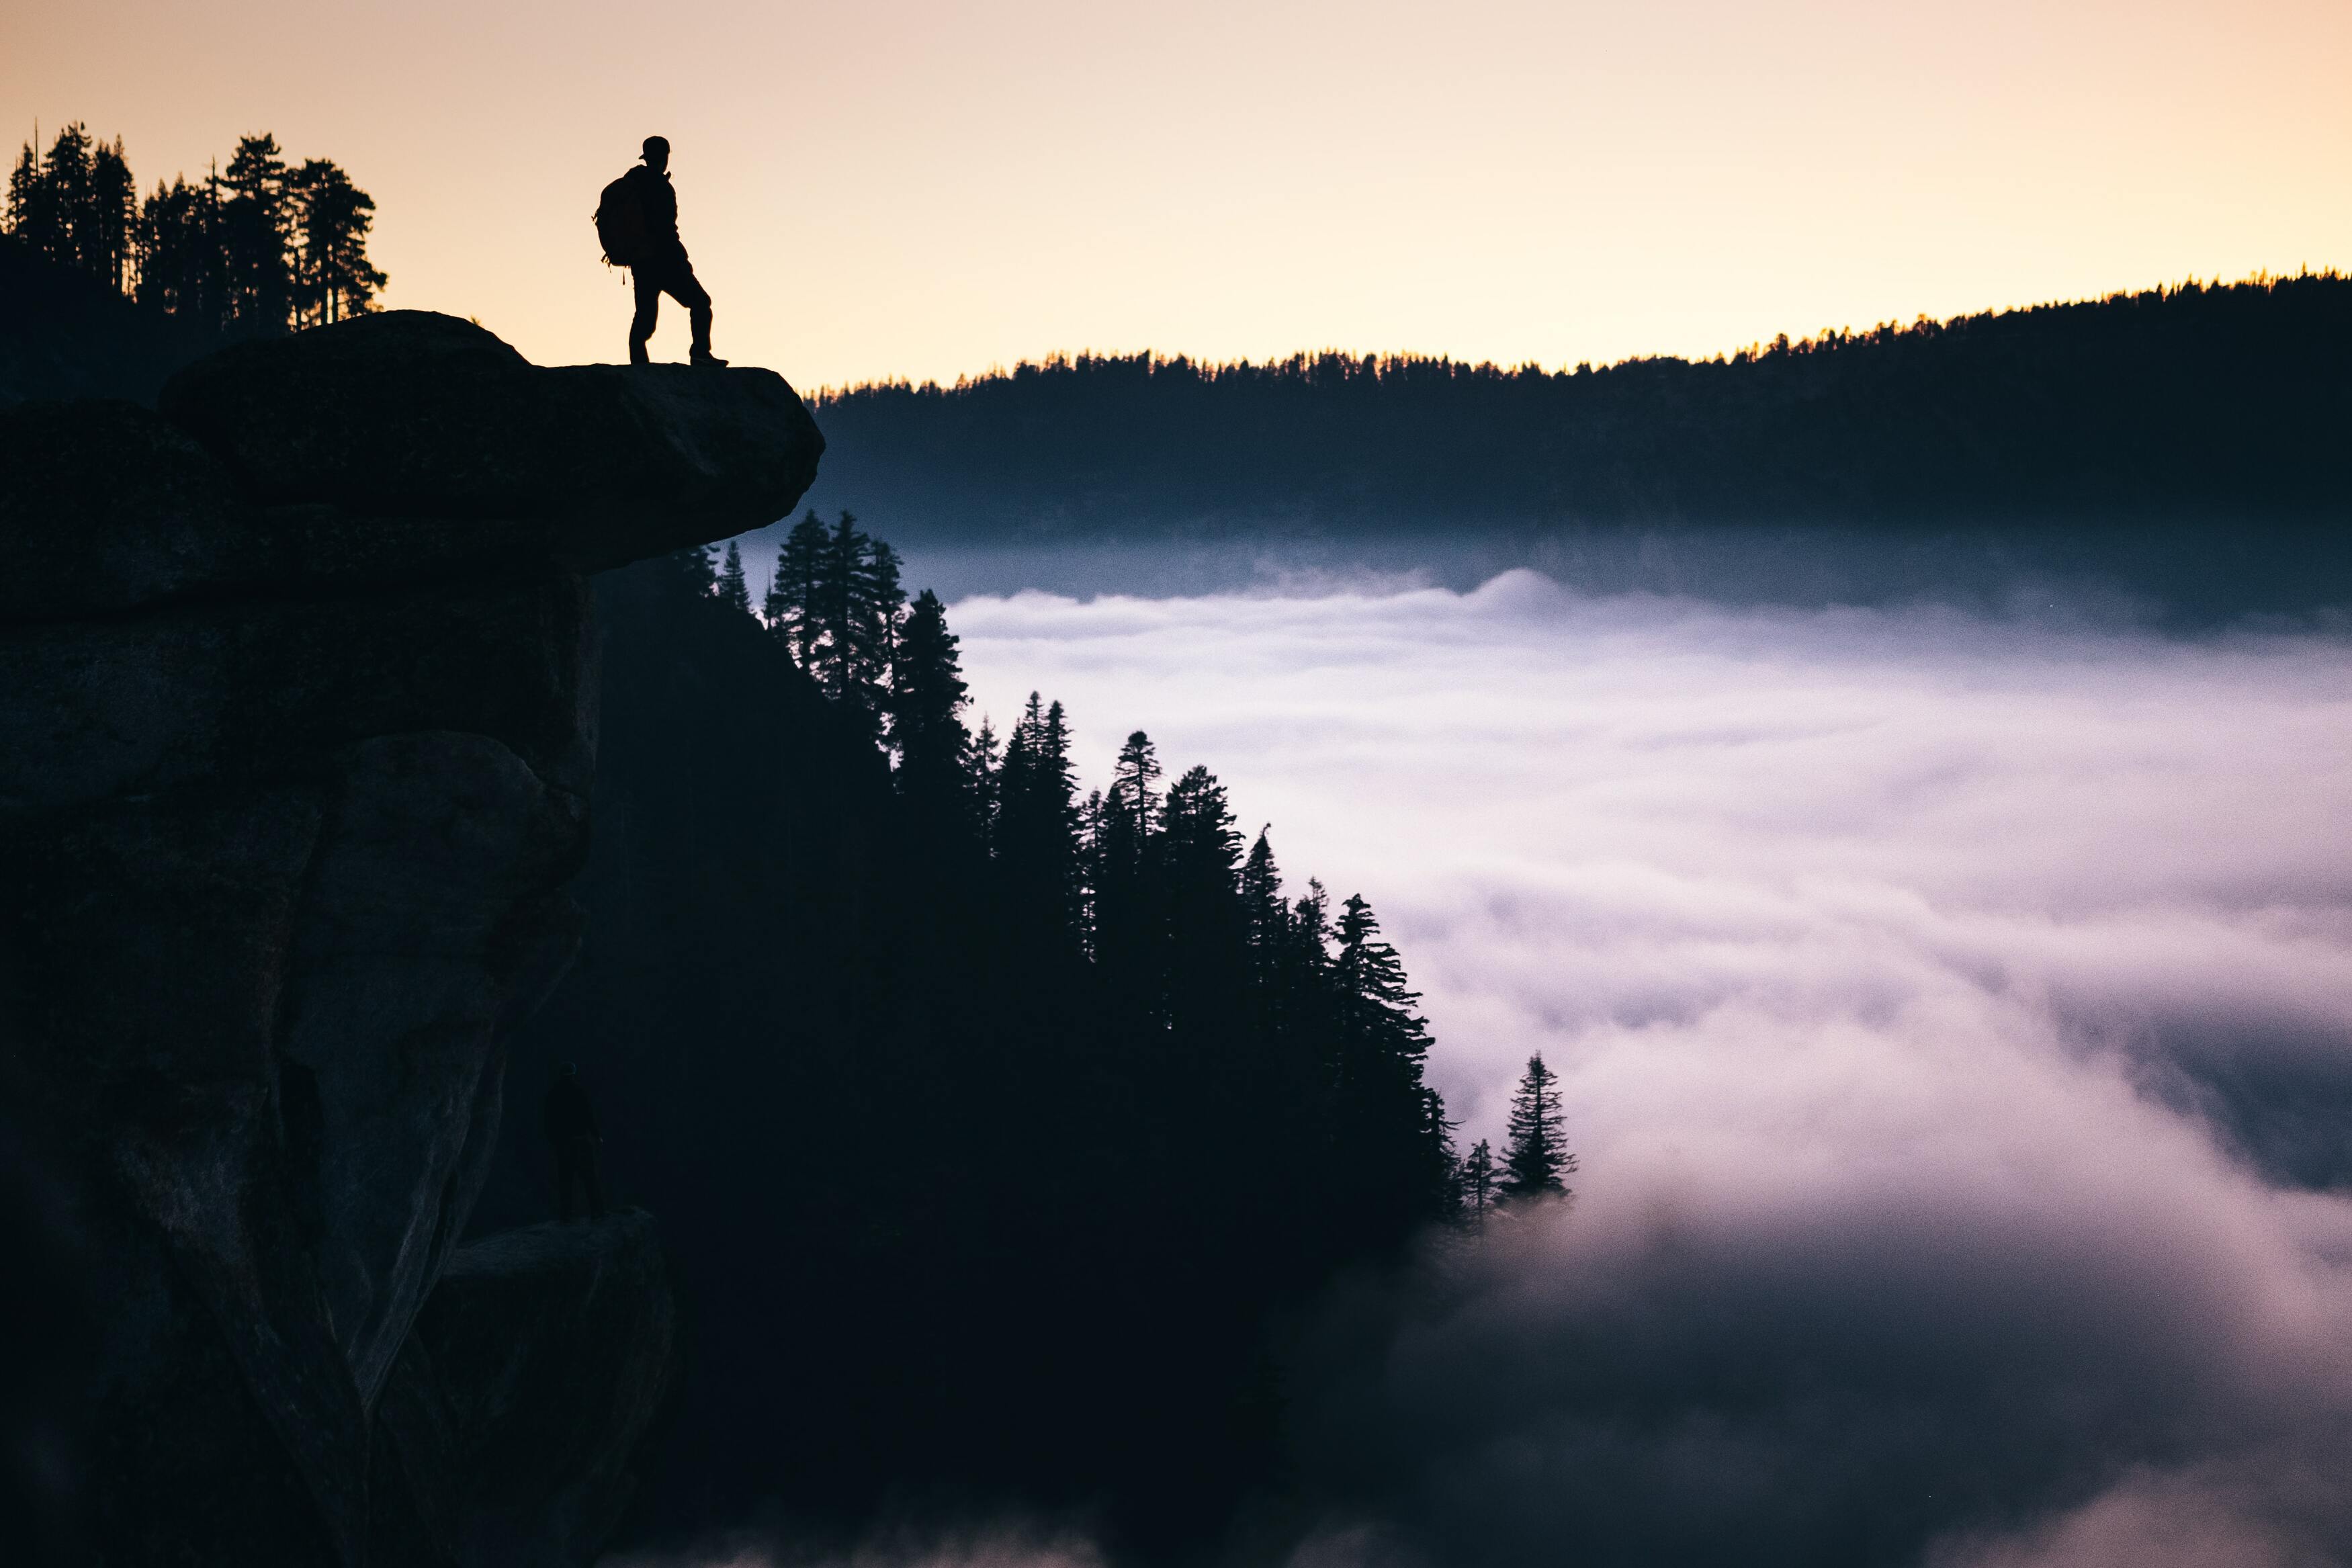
(103, 294)
(262, 246)
(2200, 401)
(995, 1125)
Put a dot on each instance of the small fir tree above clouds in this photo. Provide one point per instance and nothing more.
(1536, 1159)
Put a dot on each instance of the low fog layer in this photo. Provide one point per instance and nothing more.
(2187, 574)
(1955, 1017)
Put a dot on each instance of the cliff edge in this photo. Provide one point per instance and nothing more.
(297, 729)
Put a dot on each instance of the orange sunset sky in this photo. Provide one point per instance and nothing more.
(913, 187)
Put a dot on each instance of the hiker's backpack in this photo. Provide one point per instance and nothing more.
(620, 223)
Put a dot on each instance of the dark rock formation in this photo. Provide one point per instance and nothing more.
(481, 456)
(537, 1362)
(46, 1350)
(397, 449)
(296, 730)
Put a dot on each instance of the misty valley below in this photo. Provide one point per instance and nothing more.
(1950, 992)
(2175, 574)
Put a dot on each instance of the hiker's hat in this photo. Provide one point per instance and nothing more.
(656, 144)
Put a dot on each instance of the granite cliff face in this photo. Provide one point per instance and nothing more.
(297, 732)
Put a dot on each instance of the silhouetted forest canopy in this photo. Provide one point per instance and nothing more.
(2223, 400)
(996, 1124)
(263, 246)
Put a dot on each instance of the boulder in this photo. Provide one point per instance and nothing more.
(394, 450)
(417, 416)
(297, 736)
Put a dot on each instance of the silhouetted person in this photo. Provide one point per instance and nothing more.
(571, 1123)
(662, 269)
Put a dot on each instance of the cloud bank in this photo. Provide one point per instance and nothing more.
(1956, 1020)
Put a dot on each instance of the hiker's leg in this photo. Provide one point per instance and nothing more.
(564, 1184)
(649, 292)
(688, 291)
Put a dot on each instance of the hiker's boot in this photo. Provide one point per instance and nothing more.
(705, 357)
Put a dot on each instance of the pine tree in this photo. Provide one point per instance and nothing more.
(43, 195)
(1020, 747)
(256, 232)
(836, 609)
(1444, 1159)
(1197, 829)
(1392, 1133)
(1286, 960)
(1535, 1158)
(1132, 775)
(878, 611)
(839, 594)
(733, 592)
(1377, 1008)
(795, 594)
(110, 249)
(330, 219)
(1310, 928)
(1086, 872)
(181, 264)
(1479, 1179)
(31, 220)
(1262, 907)
(984, 780)
(926, 699)
(1125, 924)
(1054, 749)
(1198, 869)
(67, 173)
(1037, 821)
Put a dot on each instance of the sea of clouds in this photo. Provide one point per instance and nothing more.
(1955, 1017)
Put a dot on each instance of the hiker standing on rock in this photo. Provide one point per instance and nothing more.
(637, 221)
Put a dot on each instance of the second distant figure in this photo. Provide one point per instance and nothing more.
(661, 267)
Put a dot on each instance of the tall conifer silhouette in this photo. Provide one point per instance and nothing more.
(794, 596)
(927, 700)
(733, 591)
(329, 223)
(1037, 821)
(1479, 1179)
(1536, 1159)
(257, 231)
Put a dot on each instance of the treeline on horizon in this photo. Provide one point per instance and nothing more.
(263, 247)
(2223, 400)
(998, 1128)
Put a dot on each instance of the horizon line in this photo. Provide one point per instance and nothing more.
(1064, 358)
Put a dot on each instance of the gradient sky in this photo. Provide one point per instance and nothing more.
(924, 188)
